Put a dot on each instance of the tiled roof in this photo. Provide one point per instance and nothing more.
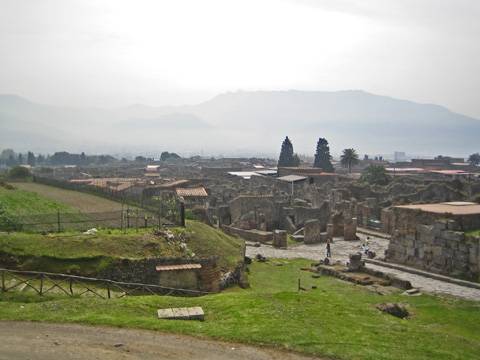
(178, 267)
(186, 192)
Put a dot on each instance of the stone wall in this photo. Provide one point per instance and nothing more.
(259, 204)
(439, 247)
(250, 235)
(144, 271)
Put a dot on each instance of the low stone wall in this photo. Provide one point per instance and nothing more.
(439, 248)
(250, 235)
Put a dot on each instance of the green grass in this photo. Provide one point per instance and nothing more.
(337, 320)
(473, 233)
(23, 203)
(58, 252)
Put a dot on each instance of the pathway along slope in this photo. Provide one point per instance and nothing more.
(42, 341)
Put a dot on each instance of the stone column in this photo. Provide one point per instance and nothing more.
(280, 239)
(350, 229)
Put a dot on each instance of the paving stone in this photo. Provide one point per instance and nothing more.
(191, 313)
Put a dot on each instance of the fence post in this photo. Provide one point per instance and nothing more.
(41, 284)
(121, 219)
(108, 290)
(136, 222)
(182, 214)
(3, 281)
(70, 285)
(128, 218)
(58, 220)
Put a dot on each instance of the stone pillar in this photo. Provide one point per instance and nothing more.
(280, 239)
(330, 232)
(350, 229)
(311, 232)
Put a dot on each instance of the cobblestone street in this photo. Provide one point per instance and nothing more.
(341, 249)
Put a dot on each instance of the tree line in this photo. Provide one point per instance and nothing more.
(10, 158)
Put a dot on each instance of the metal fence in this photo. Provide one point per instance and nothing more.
(165, 206)
(43, 283)
(67, 221)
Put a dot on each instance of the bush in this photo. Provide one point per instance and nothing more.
(19, 172)
(375, 175)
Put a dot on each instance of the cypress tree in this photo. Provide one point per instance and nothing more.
(30, 158)
(286, 154)
(322, 156)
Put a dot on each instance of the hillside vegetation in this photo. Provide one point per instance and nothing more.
(84, 254)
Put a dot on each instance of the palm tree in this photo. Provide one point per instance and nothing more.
(349, 158)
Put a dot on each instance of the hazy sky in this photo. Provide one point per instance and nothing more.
(119, 52)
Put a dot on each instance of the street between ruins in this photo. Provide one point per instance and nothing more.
(42, 341)
(340, 251)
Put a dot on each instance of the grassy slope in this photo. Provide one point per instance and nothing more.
(21, 203)
(337, 319)
(82, 201)
(202, 239)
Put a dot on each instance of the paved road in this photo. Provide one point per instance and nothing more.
(41, 341)
(340, 251)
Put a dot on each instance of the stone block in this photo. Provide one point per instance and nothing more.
(312, 231)
(280, 239)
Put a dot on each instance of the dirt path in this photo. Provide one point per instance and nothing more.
(81, 201)
(340, 251)
(41, 341)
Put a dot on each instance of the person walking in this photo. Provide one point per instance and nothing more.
(329, 250)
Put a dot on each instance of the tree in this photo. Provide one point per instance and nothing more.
(31, 158)
(349, 158)
(286, 158)
(166, 156)
(474, 159)
(40, 159)
(375, 174)
(322, 156)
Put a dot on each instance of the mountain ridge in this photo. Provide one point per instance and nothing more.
(238, 121)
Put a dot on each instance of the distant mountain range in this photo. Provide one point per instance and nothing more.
(243, 123)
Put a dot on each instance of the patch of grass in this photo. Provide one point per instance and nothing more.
(58, 252)
(337, 319)
(75, 199)
(473, 233)
(18, 202)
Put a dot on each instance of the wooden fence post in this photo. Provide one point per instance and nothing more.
(108, 290)
(70, 285)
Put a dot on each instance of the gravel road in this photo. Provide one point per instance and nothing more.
(42, 341)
